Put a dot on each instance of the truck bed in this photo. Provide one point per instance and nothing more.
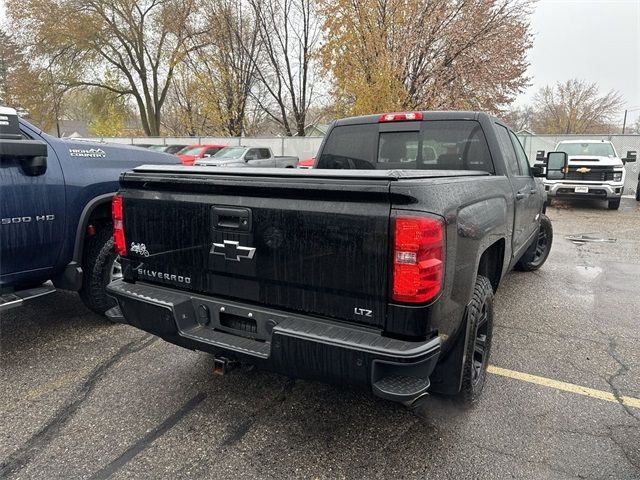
(320, 238)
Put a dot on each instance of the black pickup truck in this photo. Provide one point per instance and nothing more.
(376, 268)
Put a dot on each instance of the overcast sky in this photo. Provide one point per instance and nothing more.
(595, 40)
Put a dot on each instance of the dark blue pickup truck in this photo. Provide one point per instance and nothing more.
(55, 210)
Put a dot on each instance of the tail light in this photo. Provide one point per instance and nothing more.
(117, 213)
(400, 117)
(417, 259)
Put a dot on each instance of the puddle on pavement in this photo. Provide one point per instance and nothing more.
(589, 237)
(588, 272)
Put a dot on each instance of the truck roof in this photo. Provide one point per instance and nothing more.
(426, 115)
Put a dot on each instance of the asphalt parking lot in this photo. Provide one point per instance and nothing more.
(82, 398)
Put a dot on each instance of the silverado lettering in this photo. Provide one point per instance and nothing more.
(165, 276)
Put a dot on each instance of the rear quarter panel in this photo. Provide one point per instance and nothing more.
(94, 176)
(478, 211)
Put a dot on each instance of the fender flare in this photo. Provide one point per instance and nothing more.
(88, 209)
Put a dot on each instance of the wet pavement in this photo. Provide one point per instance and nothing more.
(82, 398)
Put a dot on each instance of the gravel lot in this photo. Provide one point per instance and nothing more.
(81, 398)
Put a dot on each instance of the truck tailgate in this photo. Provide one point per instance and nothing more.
(304, 243)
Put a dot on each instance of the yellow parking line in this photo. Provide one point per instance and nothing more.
(567, 387)
(49, 387)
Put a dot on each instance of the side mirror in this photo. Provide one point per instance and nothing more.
(538, 170)
(557, 165)
(632, 156)
(31, 154)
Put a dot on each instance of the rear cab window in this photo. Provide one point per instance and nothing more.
(426, 145)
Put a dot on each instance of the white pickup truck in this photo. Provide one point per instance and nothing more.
(259, 157)
(595, 171)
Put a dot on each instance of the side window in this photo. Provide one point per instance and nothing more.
(264, 153)
(252, 154)
(523, 161)
(507, 150)
(350, 146)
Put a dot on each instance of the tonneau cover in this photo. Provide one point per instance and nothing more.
(307, 173)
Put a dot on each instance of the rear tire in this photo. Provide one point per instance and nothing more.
(613, 204)
(478, 349)
(538, 252)
(98, 268)
(638, 191)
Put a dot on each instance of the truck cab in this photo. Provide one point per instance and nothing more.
(595, 171)
(56, 211)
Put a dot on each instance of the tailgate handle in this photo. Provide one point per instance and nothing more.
(231, 218)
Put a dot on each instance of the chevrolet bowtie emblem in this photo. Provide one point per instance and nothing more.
(583, 170)
(232, 251)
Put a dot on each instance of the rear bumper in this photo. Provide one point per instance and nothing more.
(596, 190)
(292, 344)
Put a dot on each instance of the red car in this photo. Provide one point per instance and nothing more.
(308, 163)
(191, 153)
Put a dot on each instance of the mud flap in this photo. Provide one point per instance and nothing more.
(447, 376)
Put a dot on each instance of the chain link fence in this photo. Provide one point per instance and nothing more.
(307, 147)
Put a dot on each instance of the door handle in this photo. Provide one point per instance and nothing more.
(533, 191)
(520, 196)
(231, 218)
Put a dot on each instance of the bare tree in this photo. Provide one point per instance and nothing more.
(139, 42)
(519, 118)
(575, 106)
(35, 88)
(227, 68)
(212, 86)
(185, 110)
(289, 34)
(11, 60)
